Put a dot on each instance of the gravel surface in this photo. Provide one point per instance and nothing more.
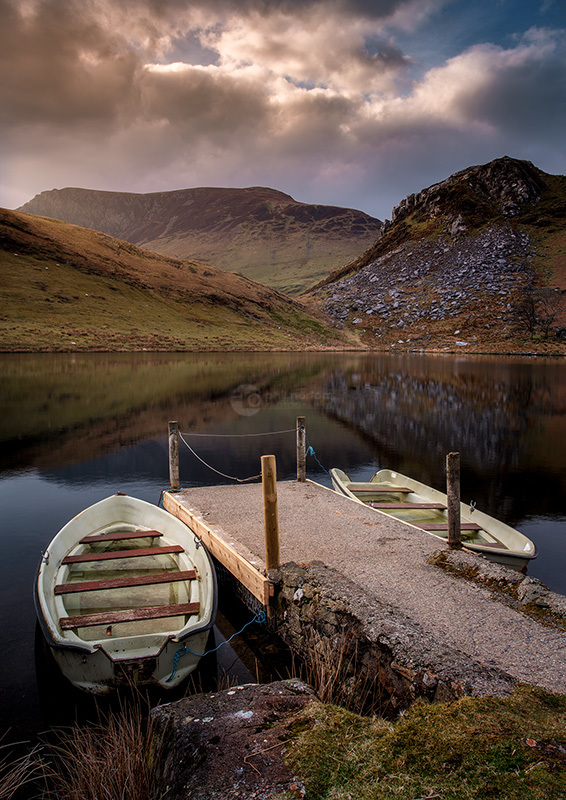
(389, 560)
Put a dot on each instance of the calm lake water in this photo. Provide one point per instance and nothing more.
(77, 428)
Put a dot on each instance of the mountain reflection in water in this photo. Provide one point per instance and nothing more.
(506, 418)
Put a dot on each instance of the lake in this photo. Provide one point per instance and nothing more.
(75, 428)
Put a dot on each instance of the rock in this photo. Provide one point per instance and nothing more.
(458, 226)
(531, 590)
(452, 252)
(231, 744)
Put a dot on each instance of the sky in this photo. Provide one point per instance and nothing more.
(353, 103)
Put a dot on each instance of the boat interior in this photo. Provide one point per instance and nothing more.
(125, 581)
(404, 504)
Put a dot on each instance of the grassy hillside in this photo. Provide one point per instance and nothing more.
(68, 288)
(258, 232)
(545, 223)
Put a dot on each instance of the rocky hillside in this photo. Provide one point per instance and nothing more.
(258, 232)
(64, 287)
(476, 262)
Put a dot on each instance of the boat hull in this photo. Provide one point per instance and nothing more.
(115, 611)
(481, 533)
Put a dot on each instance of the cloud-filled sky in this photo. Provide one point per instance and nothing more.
(343, 102)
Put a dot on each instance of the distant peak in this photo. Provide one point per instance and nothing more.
(502, 186)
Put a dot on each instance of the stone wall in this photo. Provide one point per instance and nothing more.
(375, 645)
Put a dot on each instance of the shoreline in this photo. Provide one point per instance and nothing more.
(361, 350)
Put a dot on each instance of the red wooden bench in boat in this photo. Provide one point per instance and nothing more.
(128, 615)
(111, 554)
(132, 614)
(376, 489)
(119, 583)
(116, 537)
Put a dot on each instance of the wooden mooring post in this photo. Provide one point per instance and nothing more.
(174, 482)
(270, 515)
(453, 503)
(301, 450)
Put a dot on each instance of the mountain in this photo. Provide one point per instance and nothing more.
(63, 287)
(258, 232)
(474, 263)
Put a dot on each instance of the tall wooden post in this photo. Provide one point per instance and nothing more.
(271, 521)
(453, 493)
(301, 449)
(174, 455)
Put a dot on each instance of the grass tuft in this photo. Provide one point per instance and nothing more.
(333, 667)
(14, 774)
(118, 758)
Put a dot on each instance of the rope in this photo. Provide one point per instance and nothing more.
(310, 452)
(239, 435)
(223, 474)
(259, 617)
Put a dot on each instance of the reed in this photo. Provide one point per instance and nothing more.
(333, 667)
(118, 757)
(14, 774)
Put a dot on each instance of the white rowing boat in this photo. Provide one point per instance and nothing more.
(425, 508)
(125, 593)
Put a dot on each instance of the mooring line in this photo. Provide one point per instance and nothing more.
(239, 435)
(310, 452)
(223, 474)
(260, 617)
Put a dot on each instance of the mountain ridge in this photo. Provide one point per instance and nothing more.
(260, 232)
(476, 261)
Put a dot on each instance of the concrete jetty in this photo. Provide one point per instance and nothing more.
(391, 562)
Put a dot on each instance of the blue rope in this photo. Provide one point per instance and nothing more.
(310, 452)
(160, 501)
(259, 617)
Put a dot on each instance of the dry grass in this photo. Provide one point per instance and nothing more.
(258, 232)
(333, 668)
(119, 758)
(66, 288)
(16, 773)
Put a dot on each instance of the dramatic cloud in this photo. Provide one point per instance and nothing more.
(350, 102)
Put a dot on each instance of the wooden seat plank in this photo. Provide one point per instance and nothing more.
(128, 615)
(409, 505)
(118, 583)
(385, 489)
(106, 556)
(443, 526)
(116, 537)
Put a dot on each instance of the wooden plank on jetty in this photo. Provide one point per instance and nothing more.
(241, 562)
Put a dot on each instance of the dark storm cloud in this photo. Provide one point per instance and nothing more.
(204, 103)
(61, 67)
(315, 97)
(527, 94)
(373, 9)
